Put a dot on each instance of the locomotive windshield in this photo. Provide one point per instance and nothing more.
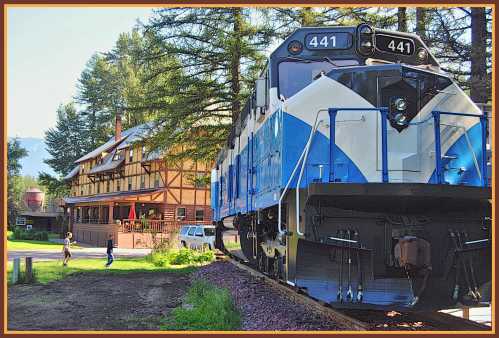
(295, 75)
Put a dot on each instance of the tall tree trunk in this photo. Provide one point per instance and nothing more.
(478, 83)
(235, 68)
(402, 19)
(421, 23)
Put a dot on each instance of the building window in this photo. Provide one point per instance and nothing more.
(81, 191)
(90, 189)
(199, 215)
(129, 183)
(180, 213)
(156, 179)
(130, 156)
(108, 185)
(142, 181)
(20, 220)
(143, 152)
(98, 187)
(82, 168)
(118, 185)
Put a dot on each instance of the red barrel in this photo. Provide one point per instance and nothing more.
(33, 198)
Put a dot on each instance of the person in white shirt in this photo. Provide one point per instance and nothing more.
(66, 249)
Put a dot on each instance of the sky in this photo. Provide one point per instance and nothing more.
(47, 49)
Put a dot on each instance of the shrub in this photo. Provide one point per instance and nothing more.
(210, 308)
(22, 234)
(183, 256)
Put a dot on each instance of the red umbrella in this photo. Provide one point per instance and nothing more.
(131, 214)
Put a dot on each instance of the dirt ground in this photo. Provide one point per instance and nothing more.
(133, 301)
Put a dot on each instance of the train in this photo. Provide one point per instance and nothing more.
(359, 173)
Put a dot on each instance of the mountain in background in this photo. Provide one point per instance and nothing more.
(33, 163)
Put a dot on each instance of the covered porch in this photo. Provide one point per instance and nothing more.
(135, 219)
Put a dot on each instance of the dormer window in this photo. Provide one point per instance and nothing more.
(82, 168)
(117, 156)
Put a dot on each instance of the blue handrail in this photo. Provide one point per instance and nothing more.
(333, 112)
(438, 151)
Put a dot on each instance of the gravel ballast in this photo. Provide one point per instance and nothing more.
(262, 307)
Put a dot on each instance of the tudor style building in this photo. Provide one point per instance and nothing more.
(121, 189)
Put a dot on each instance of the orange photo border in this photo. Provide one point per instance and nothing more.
(234, 3)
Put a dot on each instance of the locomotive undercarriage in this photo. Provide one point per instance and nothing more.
(416, 247)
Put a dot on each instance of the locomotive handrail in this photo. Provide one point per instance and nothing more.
(279, 207)
(438, 147)
(384, 139)
(307, 149)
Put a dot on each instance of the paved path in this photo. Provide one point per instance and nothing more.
(54, 254)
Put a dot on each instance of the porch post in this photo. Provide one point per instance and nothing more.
(101, 216)
(110, 215)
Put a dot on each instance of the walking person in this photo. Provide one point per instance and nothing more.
(66, 249)
(110, 247)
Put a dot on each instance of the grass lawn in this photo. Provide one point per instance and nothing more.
(208, 308)
(47, 271)
(24, 244)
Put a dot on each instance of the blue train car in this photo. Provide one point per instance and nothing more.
(358, 171)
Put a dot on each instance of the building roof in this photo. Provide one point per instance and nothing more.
(108, 163)
(137, 133)
(39, 214)
(110, 195)
(72, 173)
(127, 138)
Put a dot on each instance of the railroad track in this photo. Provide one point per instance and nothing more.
(365, 320)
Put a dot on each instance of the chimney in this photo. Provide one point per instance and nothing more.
(117, 127)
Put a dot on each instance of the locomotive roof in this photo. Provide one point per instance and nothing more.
(301, 33)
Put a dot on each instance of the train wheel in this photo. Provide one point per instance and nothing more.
(261, 261)
(278, 267)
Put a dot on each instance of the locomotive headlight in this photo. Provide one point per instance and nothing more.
(400, 104)
(295, 47)
(398, 111)
(400, 119)
(365, 40)
(422, 54)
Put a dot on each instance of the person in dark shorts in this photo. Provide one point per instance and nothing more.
(66, 249)
(110, 247)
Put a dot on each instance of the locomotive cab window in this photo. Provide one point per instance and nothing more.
(296, 75)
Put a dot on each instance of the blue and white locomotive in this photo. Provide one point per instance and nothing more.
(358, 172)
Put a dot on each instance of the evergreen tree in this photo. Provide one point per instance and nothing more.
(65, 143)
(220, 54)
(448, 31)
(402, 19)
(478, 80)
(15, 152)
(93, 86)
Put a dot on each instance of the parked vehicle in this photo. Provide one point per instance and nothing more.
(197, 236)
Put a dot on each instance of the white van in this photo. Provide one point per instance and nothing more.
(197, 236)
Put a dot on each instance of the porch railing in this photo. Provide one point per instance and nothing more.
(91, 220)
(154, 226)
